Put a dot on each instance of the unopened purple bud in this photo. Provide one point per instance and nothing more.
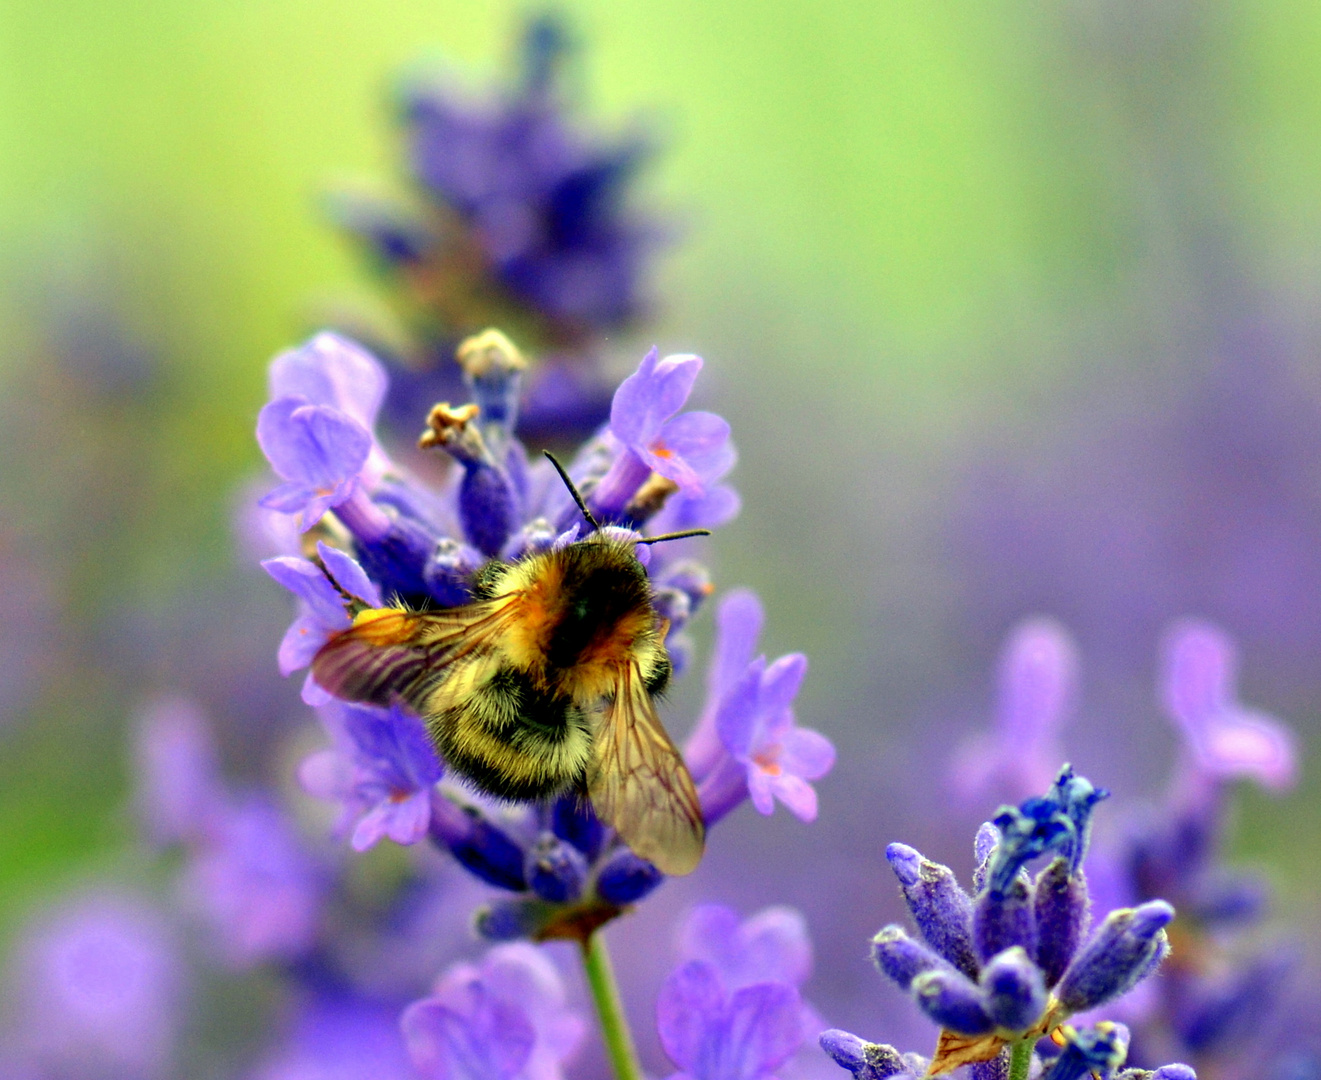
(1015, 991)
(942, 910)
(1175, 1071)
(488, 507)
(953, 1001)
(1003, 920)
(903, 959)
(1095, 1051)
(1231, 901)
(481, 847)
(1119, 955)
(555, 871)
(573, 819)
(626, 878)
(865, 1060)
(509, 920)
(1220, 1014)
(1062, 908)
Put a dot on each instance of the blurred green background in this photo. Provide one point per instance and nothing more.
(909, 232)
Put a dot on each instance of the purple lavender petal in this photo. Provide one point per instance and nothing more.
(306, 581)
(770, 946)
(781, 682)
(331, 370)
(1200, 672)
(739, 619)
(1249, 744)
(486, 1039)
(736, 718)
(339, 1038)
(313, 445)
(349, 575)
(651, 395)
(806, 753)
(1038, 676)
(763, 1030)
(692, 450)
(691, 1001)
(522, 974)
(403, 820)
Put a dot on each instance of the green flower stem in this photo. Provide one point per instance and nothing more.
(610, 1010)
(1020, 1059)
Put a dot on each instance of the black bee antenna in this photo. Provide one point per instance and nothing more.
(672, 536)
(596, 525)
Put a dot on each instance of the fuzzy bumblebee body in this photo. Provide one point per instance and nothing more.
(543, 684)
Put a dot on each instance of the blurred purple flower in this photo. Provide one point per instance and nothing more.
(333, 371)
(339, 1038)
(381, 769)
(713, 1034)
(506, 1018)
(1037, 681)
(256, 886)
(1223, 739)
(179, 787)
(746, 743)
(770, 946)
(96, 989)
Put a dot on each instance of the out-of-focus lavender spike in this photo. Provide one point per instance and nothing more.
(625, 878)
(941, 909)
(480, 845)
(555, 870)
(1095, 1051)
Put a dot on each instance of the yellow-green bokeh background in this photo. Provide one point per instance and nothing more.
(904, 225)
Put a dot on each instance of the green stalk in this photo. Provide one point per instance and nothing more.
(1020, 1059)
(610, 1010)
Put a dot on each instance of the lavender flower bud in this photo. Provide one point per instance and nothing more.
(1015, 991)
(509, 920)
(1120, 954)
(555, 871)
(448, 571)
(625, 878)
(983, 847)
(1003, 920)
(902, 958)
(573, 819)
(865, 1060)
(953, 1001)
(942, 910)
(1165, 1072)
(1062, 908)
(481, 847)
(1099, 1050)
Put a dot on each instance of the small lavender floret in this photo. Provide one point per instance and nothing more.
(625, 878)
(1015, 992)
(953, 1001)
(941, 909)
(1096, 1051)
(1002, 920)
(1215, 1016)
(1061, 906)
(480, 846)
(865, 1060)
(554, 870)
(1176, 1071)
(902, 958)
(1059, 821)
(509, 920)
(1118, 956)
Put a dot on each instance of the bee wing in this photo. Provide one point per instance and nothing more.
(639, 784)
(389, 652)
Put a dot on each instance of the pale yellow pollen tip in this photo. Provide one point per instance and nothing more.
(487, 352)
(445, 423)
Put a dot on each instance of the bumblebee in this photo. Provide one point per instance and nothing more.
(544, 684)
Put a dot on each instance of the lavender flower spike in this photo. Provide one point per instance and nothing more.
(1119, 955)
(1223, 738)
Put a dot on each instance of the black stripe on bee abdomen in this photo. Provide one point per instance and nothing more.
(515, 741)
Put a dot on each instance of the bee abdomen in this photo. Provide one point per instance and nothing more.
(515, 741)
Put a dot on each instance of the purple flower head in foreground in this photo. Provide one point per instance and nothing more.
(746, 743)
(381, 768)
(714, 1033)
(506, 1018)
(255, 885)
(770, 946)
(396, 538)
(1223, 739)
(96, 990)
(1014, 961)
(1037, 682)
